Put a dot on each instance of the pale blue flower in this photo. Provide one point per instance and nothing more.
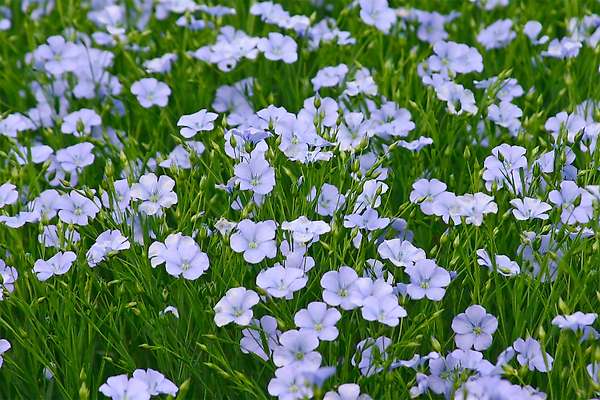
(255, 174)
(59, 264)
(280, 282)
(290, 383)
(278, 47)
(182, 257)
(378, 14)
(4, 347)
(339, 288)
(150, 92)
(81, 122)
(156, 193)
(107, 243)
(8, 194)
(347, 391)
(236, 306)
(427, 280)
(121, 387)
(371, 355)
(255, 239)
(193, 123)
(529, 353)
(252, 342)
(317, 318)
(297, 350)
(474, 328)
(75, 208)
(383, 309)
(156, 382)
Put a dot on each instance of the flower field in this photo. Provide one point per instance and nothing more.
(309, 199)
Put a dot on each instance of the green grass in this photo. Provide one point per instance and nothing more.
(93, 323)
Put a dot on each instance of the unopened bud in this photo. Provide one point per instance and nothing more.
(562, 306)
(436, 344)
(541, 333)
(183, 389)
(84, 392)
(456, 243)
(444, 238)
(317, 102)
(233, 141)
(355, 166)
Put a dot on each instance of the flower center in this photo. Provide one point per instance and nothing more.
(80, 126)
(506, 270)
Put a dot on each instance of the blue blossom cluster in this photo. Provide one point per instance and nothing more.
(310, 203)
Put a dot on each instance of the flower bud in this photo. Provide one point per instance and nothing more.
(562, 306)
(233, 141)
(84, 392)
(541, 333)
(436, 345)
(183, 389)
(317, 102)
